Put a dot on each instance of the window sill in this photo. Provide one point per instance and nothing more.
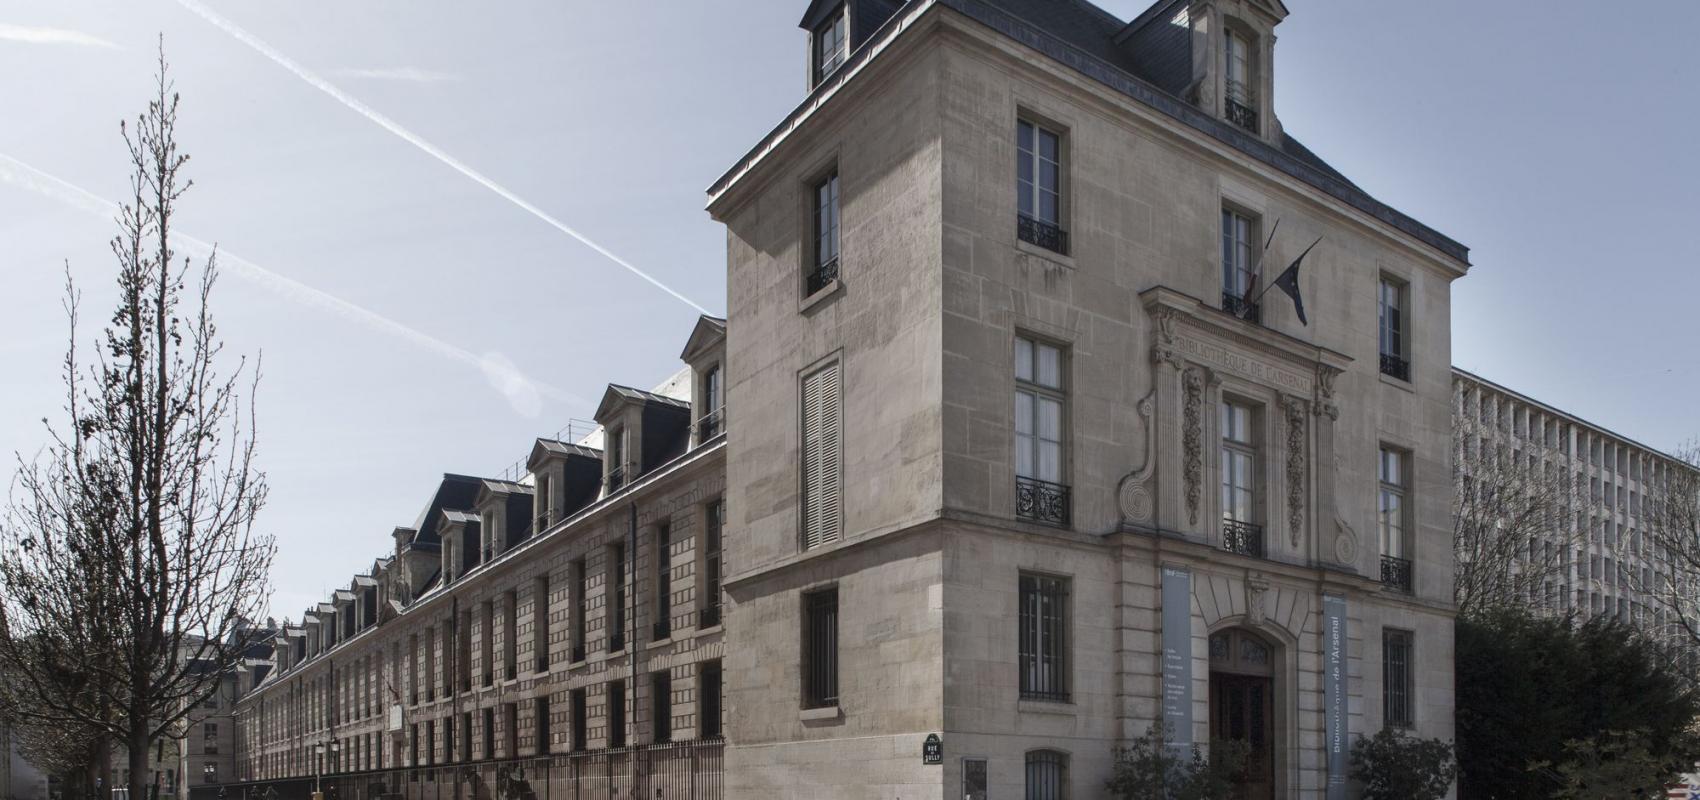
(1051, 707)
(1045, 253)
(821, 715)
(827, 292)
(1396, 383)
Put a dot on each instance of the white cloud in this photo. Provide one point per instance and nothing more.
(407, 74)
(28, 35)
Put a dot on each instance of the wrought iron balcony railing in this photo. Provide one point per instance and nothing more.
(708, 617)
(1237, 305)
(616, 478)
(823, 276)
(1396, 572)
(1041, 234)
(1242, 115)
(1042, 501)
(1395, 367)
(1245, 538)
(711, 424)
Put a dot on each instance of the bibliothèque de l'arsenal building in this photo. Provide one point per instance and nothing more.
(1061, 392)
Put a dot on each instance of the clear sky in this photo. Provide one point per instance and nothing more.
(413, 322)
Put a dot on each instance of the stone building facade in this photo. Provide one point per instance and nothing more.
(560, 633)
(1051, 470)
(1022, 462)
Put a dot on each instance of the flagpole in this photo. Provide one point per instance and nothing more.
(1295, 261)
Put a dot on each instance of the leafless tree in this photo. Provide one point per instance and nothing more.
(1671, 521)
(1510, 529)
(128, 551)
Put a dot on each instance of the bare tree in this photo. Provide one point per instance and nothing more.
(1510, 528)
(1671, 521)
(128, 549)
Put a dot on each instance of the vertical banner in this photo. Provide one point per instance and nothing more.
(1177, 656)
(1334, 692)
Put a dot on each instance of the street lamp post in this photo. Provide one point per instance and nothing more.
(318, 774)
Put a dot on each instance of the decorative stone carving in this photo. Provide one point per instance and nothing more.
(1325, 376)
(1255, 588)
(1165, 352)
(1345, 542)
(1192, 439)
(1135, 493)
(1295, 408)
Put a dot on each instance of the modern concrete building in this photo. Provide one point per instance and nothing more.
(1020, 462)
(1601, 556)
(1036, 469)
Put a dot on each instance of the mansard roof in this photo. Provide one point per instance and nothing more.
(453, 492)
(1081, 36)
(617, 394)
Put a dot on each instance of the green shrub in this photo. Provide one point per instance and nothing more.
(1393, 765)
(1152, 770)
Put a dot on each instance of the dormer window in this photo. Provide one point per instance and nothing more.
(1239, 93)
(616, 458)
(545, 509)
(488, 525)
(709, 426)
(832, 45)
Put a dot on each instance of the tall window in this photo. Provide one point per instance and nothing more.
(616, 713)
(712, 401)
(661, 703)
(709, 690)
(832, 45)
(510, 638)
(820, 657)
(1038, 186)
(578, 579)
(1392, 324)
(581, 721)
(1240, 531)
(540, 622)
(544, 504)
(824, 270)
(1395, 566)
(663, 581)
(489, 734)
(822, 456)
(487, 642)
(1043, 638)
(1047, 775)
(1398, 708)
(542, 714)
(616, 597)
(1239, 263)
(711, 564)
(616, 445)
(1241, 100)
(1040, 457)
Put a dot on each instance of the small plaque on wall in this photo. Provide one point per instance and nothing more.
(932, 751)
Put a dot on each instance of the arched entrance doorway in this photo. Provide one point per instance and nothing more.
(1242, 704)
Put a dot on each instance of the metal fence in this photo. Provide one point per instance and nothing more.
(679, 771)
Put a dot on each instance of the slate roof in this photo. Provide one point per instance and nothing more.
(646, 397)
(1081, 36)
(495, 486)
(558, 447)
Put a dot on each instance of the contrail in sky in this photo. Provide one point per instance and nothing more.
(411, 138)
(523, 393)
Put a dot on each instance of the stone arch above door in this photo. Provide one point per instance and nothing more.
(1279, 613)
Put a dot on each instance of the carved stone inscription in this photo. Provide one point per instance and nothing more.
(1246, 367)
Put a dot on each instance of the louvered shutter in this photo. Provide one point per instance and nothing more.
(822, 457)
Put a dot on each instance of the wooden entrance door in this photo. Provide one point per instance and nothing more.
(1242, 703)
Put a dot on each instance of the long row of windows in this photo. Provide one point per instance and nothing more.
(710, 710)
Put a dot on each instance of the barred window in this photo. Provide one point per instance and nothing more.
(1043, 638)
(1047, 775)
(1397, 692)
(820, 660)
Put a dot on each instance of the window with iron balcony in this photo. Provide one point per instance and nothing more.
(1391, 520)
(1240, 531)
(1041, 494)
(823, 266)
(1038, 187)
(1392, 336)
(1239, 265)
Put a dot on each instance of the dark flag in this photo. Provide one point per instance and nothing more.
(1289, 282)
